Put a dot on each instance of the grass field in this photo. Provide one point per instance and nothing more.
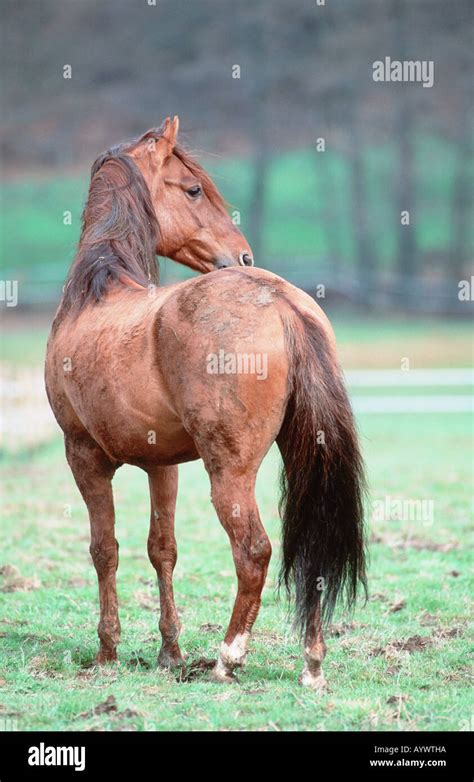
(400, 662)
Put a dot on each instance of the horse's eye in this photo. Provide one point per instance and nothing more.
(194, 191)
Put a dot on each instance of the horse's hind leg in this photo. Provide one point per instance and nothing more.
(234, 500)
(314, 653)
(93, 473)
(162, 551)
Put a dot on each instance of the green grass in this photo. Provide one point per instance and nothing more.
(47, 632)
(48, 639)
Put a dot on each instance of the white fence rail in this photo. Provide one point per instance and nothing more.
(413, 378)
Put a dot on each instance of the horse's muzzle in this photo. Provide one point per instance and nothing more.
(244, 259)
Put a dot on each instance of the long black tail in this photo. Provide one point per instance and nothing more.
(322, 478)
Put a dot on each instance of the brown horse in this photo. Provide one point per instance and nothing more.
(217, 368)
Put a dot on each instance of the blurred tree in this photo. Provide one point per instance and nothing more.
(393, 147)
(404, 133)
(262, 30)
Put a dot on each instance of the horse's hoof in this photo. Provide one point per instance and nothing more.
(170, 661)
(315, 683)
(103, 657)
(221, 676)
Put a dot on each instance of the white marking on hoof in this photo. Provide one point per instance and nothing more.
(220, 673)
(316, 682)
(233, 655)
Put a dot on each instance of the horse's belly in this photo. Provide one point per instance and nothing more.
(132, 421)
(132, 437)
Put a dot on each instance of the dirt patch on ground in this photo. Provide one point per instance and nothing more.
(106, 707)
(378, 596)
(431, 620)
(343, 628)
(208, 627)
(397, 605)
(426, 619)
(40, 667)
(109, 707)
(460, 675)
(398, 702)
(14, 622)
(419, 544)
(195, 669)
(138, 662)
(13, 581)
(448, 632)
(416, 643)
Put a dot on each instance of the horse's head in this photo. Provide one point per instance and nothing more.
(195, 228)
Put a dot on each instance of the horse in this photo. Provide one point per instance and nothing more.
(217, 368)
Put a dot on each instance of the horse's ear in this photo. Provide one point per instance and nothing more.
(170, 132)
(163, 146)
(165, 127)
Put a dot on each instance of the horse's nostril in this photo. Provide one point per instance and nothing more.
(246, 259)
(222, 263)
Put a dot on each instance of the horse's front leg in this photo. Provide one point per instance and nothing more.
(163, 554)
(93, 473)
(234, 501)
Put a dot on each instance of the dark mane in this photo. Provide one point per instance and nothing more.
(119, 226)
